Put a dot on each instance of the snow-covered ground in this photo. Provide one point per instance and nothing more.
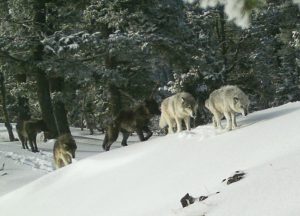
(22, 166)
(150, 178)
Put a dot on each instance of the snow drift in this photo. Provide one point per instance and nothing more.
(150, 178)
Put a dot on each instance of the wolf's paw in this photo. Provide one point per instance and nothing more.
(228, 128)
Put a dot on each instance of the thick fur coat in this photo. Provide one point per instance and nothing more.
(129, 121)
(28, 130)
(177, 108)
(64, 150)
(227, 101)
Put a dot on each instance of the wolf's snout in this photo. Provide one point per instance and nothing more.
(245, 113)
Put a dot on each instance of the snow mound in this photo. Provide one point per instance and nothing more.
(150, 178)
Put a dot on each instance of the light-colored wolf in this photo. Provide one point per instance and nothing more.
(64, 150)
(174, 109)
(227, 101)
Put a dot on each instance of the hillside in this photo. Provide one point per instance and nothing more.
(150, 178)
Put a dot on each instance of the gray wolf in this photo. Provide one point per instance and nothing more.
(174, 109)
(227, 101)
(131, 120)
(27, 131)
(64, 150)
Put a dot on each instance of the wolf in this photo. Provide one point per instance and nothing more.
(174, 109)
(64, 150)
(27, 131)
(132, 120)
(227, 101)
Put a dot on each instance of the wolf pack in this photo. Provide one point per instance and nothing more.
(181, 107)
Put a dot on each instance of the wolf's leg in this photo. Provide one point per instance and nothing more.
(214, 122)
(140, 134)
(125, 137)
(187, 121)
(110, 137)
(59, 163)
(56, 162)
(229, 121)
(170, 125)
(34, 144)
(105, 141)
(217, 119)
(30, 139)
(233, 118)
(31, 145)
(25, 143)
(91, 131)
(148, 132)
(22, 139)
(66, 159)
(178, 123)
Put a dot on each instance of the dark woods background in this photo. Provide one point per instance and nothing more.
(69, 61)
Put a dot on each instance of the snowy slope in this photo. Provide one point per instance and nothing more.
(149, 178)
(22, 166)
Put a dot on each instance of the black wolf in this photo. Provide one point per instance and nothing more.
(133, 120)
(27, 131)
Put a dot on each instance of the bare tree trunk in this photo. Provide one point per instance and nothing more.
(5, 113)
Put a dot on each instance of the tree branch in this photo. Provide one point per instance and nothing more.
(6, 55)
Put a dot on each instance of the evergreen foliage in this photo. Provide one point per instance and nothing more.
(65, 57)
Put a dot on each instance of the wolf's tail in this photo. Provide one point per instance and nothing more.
(162, 122)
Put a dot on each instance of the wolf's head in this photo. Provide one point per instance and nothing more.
(241, 103)
(189, 105)
(152, 106)
(68, 144)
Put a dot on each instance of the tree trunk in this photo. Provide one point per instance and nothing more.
(82, 113)
(60, 113)
(5, 113)
(115, 102)
(45, 103)
(39, 25)
(222, 38)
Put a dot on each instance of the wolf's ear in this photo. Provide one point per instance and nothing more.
(235, 100)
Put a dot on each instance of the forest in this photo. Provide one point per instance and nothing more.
(81, 62)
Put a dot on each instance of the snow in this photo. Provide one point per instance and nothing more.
(150, 178)
(234, 9)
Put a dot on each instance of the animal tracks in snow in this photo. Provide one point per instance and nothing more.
(40, 161)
